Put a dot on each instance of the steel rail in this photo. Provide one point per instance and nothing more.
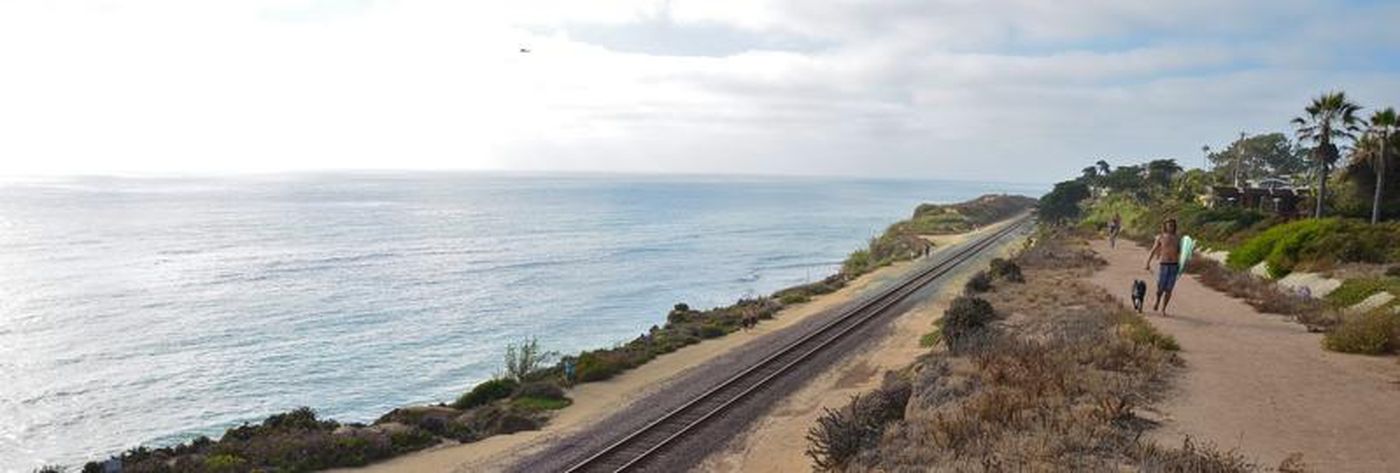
(646, 441)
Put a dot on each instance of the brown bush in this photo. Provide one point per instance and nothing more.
(840, 434)
(980, 282)
(1263, 295)
(1373, 333)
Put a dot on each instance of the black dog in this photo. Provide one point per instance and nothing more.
(1139, 294)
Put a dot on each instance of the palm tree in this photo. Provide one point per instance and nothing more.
(1383, 124)
(1331, 117)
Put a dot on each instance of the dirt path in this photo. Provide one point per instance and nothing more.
(1263, 385)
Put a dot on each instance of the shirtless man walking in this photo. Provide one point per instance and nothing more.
(1167, 249)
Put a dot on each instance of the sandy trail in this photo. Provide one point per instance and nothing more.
(1263, 385)
(594, 401)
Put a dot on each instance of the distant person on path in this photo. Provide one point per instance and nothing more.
(1114, 226)
(1167, 248)
(569, 363)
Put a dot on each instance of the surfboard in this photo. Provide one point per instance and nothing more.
(1188, 244)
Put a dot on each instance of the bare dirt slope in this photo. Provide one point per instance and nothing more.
(1262, 384)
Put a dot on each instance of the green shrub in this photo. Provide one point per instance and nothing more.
(224, 462)
(965, 321)
(1007, 270)
(805, 292)
(599, 365)
(794, 298)
(858, 263)
(299, 418)
(537, 404)
(1373, 333)
(681, 313)
(979, 282)
(962, 217)
(1133, 213)
(411, 440)
(930, 339)
(526, 357)
(513, 422)
(1353, 291)
(540, 389)
(1142, 333)
(712, 331)
(491, 390)
(1219, 226)
(1062, 203)
(1393, 271)
(1313, 241)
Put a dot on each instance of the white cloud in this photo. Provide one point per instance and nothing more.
(1019, 89)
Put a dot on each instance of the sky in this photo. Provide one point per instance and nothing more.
(1013, 90)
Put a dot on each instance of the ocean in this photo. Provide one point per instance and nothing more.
(147, 311)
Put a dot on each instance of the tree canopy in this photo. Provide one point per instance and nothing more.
(1062, 203)
(1259, 156)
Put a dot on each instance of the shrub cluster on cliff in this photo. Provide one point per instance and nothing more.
(684, 326)
(292, 441)
(299, 441)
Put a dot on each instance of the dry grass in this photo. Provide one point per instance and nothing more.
(1264, 295)
(1373, 333)
(1055, 386)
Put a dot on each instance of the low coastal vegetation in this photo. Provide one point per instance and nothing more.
(1318, 244)
(533, 381)
(519, 399)
(1048, 374)
(904, 240)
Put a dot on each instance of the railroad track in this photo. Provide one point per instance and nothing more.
(648, 441)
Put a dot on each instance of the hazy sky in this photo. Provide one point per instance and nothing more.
(1027, 90)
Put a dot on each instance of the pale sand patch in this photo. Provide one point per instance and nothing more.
(594, 401)
(778, 442)
(940, 241)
